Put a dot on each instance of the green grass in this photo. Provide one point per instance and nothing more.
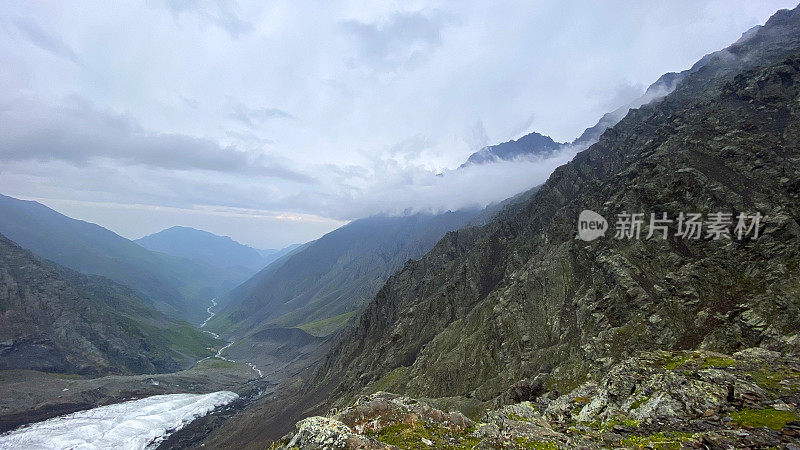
(674, 361)
(770, 379)
(639, 401)
(660, 440)
(219, 324)
(189, 338)
(717, 362)
(409, 436)
(628, 423)
(518, 418)
(535, 445)
(388, 381)
(216, 363)
(581, 400)
(770, 418)
(184, 339)
(69, 376)
(324, 327)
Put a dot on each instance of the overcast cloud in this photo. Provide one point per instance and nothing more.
(274, 122)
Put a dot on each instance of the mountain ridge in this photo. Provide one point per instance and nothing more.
(239, 260)
(178, 285)
(56, 320)
(503, 258)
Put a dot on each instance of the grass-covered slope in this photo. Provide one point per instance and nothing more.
(333, 275)
(178, 285)
(57, 320)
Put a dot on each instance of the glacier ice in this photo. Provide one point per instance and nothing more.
(135, 424)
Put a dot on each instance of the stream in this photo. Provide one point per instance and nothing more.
(211, 315)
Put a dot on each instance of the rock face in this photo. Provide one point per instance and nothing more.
(521, 298)
(691, 399)
(383, 421)
(56, 320)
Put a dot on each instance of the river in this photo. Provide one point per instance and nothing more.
(211, 315)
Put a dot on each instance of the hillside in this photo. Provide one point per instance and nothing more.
(320, 285)
(56, 320)
(178, 286)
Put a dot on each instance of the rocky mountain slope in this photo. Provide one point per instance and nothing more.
(522, 297)
(56, 320)
(239, 261)
(179, 286)
(505, 312)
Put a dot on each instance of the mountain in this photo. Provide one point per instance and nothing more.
(239, 261)
(320, 285)
(273, 254)
(520, 309)
(539, 146)
(177, 285)
(521, 296)
(56, 320)
(532, 144)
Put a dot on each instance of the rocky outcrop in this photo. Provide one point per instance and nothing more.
(691, 399)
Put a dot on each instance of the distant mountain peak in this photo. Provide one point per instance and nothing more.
(532, 144)
(222, 252)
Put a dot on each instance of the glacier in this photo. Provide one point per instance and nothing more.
(135, 424)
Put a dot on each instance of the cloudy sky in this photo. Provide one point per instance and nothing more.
(275, 122)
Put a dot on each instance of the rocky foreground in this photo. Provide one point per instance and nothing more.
(694, 399)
